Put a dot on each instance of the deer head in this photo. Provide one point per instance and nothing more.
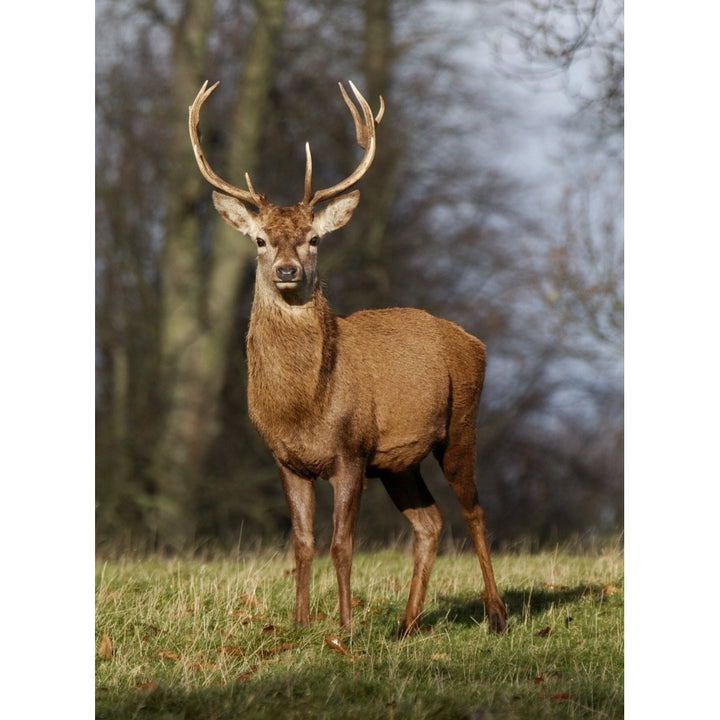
(287, 237)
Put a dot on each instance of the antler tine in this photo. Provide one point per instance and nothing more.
(365, 135)
(308, 173)
(208, 173)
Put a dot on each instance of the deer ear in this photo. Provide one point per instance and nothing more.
(235, 214)
(336, 213)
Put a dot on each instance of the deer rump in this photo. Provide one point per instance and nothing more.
(382, 383)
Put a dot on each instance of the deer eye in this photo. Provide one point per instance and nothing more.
(260, 242)
(314, 240)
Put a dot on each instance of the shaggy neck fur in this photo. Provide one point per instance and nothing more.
(291, 355)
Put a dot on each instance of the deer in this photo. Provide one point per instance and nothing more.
(347, 399)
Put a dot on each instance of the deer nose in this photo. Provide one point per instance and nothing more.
(286, 273)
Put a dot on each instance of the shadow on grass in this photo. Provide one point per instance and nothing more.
(521, 606)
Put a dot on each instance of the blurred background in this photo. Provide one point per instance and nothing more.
(495, 200)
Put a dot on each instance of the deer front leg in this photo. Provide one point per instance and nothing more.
(300, 496)
(347, 486)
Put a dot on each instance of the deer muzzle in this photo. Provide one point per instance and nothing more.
(287, 274)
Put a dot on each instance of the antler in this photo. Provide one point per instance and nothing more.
(365, 134)
(249, 195)
(364, 131)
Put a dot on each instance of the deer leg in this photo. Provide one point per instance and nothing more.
(412, 497)
(300, 496)
(457, 460)
(347, 487)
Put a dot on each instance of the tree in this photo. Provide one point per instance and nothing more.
(199, 295)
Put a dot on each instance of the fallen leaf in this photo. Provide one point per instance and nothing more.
(146, 686)
(247, 675)
(357, 602)
(544, 632)
(250, 600)
(559, 697)
(319, 616)
(607, 591)
(106, 647)
(282, 647)
(168, 655)
(289, 573)
(153, 629)
(232, 650)
(270, 628)
(198, 666)
(335, 643)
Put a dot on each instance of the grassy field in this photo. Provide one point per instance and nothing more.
(182, 639)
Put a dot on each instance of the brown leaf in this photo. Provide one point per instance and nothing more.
(290, 573)
(247, 675)
(319, 616)
(198, 666)
(544, 632)
(559, 697)
(168, 655)
(232, 650)
(146, 686)
(607, 591)
(356, 602)
(336, 644)
(282, 647)
(250, 600)
(154, 630)
(270, 629)
(106, 649)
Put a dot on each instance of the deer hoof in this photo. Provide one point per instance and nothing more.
(405, 629)
(497, 621)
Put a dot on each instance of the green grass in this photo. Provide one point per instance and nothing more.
(215, 640)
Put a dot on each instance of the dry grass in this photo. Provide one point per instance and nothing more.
(211, 640)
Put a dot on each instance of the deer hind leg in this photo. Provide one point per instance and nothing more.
(412, 497)
(457, 460)
(300, 496)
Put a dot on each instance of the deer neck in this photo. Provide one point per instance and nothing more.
(291, 355)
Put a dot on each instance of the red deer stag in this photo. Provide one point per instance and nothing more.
(347, 398)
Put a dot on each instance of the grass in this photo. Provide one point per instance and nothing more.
(184, 639)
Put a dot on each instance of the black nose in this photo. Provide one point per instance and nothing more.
(286, 273)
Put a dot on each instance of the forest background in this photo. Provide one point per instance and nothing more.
(495, 200)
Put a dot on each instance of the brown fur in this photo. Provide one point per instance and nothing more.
(344, 399)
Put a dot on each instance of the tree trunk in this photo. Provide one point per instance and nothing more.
(379, 192)
(198, 305)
